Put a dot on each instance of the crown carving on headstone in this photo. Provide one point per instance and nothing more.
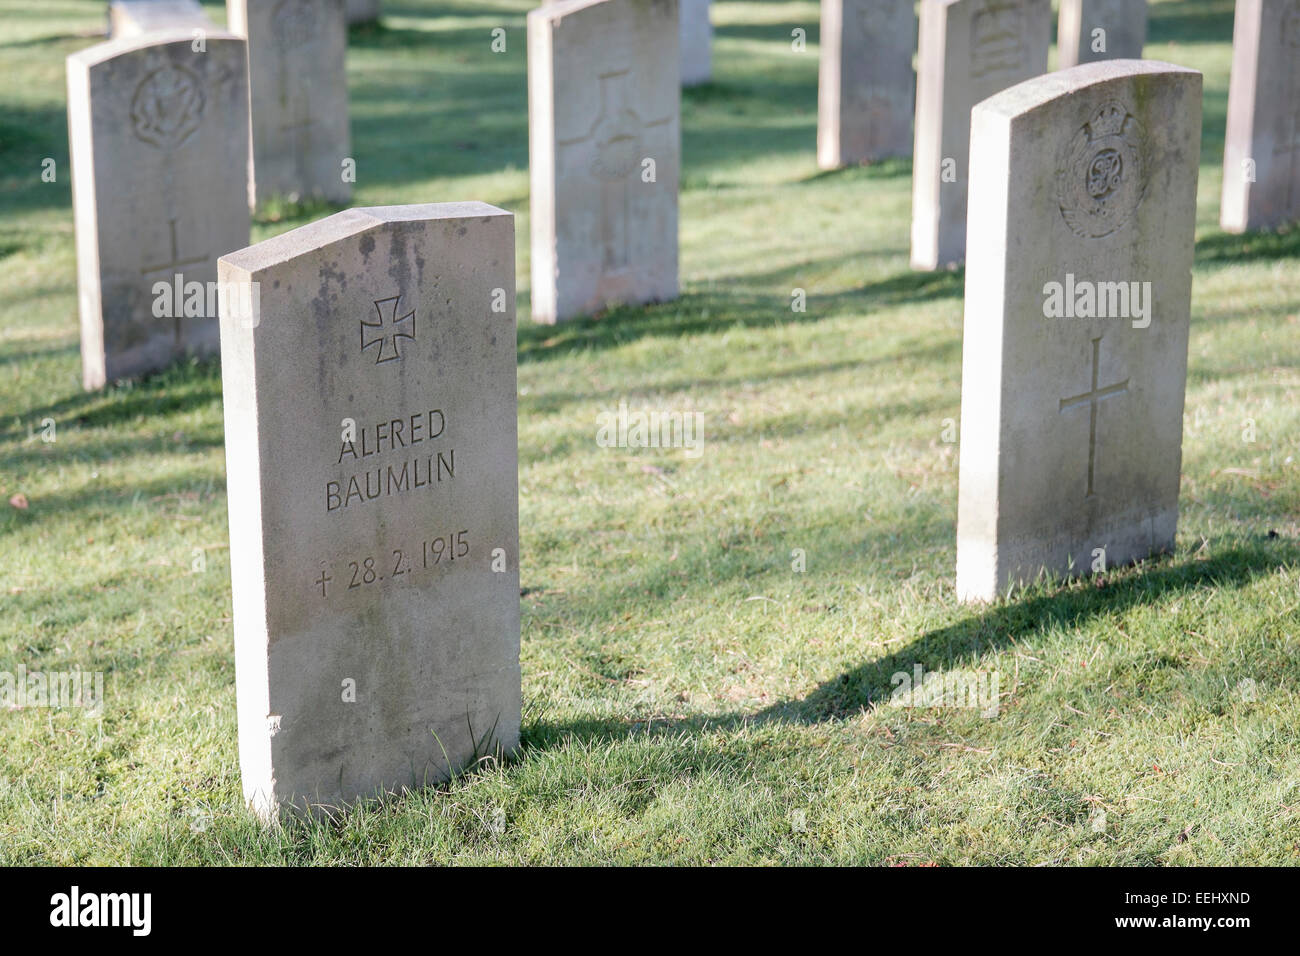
(1101, 178)
(1109, 121)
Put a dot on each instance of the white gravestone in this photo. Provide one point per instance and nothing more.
(968, 50)
(1091, 30)
(604, 154)
(363, 11)
(1261, 156)
(158, 135)
(370, 409)
(866, 87)
(129, 18)
(1078, 300)
(301, 140)
(696, 42)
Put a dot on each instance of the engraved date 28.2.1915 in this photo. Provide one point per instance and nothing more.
(370, 569)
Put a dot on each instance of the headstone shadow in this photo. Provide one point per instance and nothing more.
(180, 388)
(958, 644)
(694, 313)
(1222, 248)
(993, 628)
(1190, 21)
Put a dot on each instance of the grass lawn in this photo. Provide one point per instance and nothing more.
(690, 697)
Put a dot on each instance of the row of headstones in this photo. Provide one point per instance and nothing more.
(376, 584)
(128, 18)
(177, 129)
(604, 137)
(158, 117)
(605, 140)
(866, 84)
(300, 134)
(970, 49)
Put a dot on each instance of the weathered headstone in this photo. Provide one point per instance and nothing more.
(604, 154)
(129, 18)
(969, 50)
(1078, 300)
(696, 42)
(1090, 30)
(371, 461)
(1261, 156)
(363, 11)
(301, 138)
(158, 136)
(866, 87)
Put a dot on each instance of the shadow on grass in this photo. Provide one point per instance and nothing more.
(1214, 125)
(80, 507)
(55, 39)
(718, 311)
(1190, 21)
(1067, 605)
(945, 353)
(1229, 249)
(963, 642)
(29, 135)
(23, 356)
(179, 388)
(774, 32)
(893, 168)
(464, 111)
(282, 212)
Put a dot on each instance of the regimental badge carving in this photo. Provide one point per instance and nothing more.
(382, 333)
(998, 38)
(294, 23)
(1100, 180)
(167, 106)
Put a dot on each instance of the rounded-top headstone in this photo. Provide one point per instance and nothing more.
(1078, 298)
(158, 136)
